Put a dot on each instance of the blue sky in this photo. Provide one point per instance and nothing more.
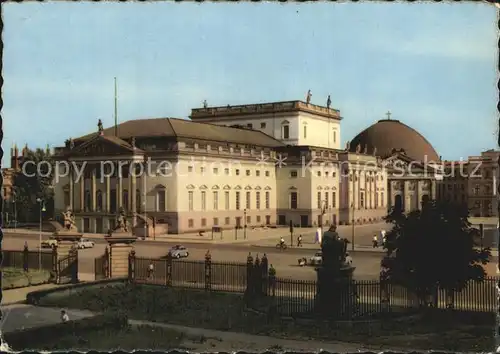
(433, 65)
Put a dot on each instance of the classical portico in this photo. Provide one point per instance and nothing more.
(102, 173)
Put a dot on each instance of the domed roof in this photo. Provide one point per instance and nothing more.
(390, 135)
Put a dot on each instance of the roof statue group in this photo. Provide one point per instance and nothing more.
(121, 225)
(309, 95)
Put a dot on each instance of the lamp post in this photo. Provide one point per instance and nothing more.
(323, 212)
(15, 214)
(42, 208)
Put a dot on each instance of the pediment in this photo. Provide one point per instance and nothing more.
(203, 186)
(226, 187)
(267, 188)
(327, 188)
(237, 188)
(215, 187)
(319, 188)
(102, 145)
(160, 186)
(190, 186)
(257, 188)
(248, 188)
(292, 188)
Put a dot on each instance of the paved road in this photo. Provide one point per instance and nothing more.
(285, 262)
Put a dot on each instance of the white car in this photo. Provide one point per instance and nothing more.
(85, 243)
(50, 243)
(316, 259)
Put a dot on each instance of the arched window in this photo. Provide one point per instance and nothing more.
(99, 200)
(88, 204)
(398, 203)
(285, 129)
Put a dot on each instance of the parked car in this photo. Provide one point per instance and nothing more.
(316, 259)
(348, 259)
(50, 243)
(85, 243)
(178, 251)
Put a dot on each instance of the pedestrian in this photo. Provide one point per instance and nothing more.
(151, 269)
(64, 316)
(299, 241)
(375, 241)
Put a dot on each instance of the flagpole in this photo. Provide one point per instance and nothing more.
(116, 110)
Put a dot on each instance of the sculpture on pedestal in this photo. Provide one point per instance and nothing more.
(120, 223)
(69, 220)
(336, 292)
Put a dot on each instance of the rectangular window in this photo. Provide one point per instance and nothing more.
(257, 173)
(286, 132)
(203, 200)
(203, 222)
(190, 201)
(293, 174)
(258, 218)
(334, 136)
(226, 200)
(319, 200)
(248, 172)
(305, 131)
(362, 200)
(248, 200)
(202, 170)
(216, 200)
(237, 200)
(319, 173)
(216, 171)
(226, 171)
(267, 173)
(237, 172)
(227, 221)
(262, 125)
(190, 168)
(327, 200)
(268, 202)
(249, 125)
(257, 200)
(326, 173)
(334, 200)
(216, 221)
(190, 223)
(376, 200)
(249, 220)
(161, 203)
(382, 199)
(293, 200)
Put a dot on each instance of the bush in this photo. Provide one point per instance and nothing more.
(13, 278)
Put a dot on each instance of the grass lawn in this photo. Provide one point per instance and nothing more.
(126, 339)
(224, 311)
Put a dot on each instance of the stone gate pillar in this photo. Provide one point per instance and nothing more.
(66, 259)
(120, 246)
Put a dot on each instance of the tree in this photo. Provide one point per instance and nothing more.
(434, 247)
(34, 181)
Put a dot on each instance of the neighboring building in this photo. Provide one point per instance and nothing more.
(412, 165)
(482, 182)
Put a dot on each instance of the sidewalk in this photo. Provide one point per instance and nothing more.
(17, 296)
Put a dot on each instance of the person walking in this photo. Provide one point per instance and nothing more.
(299, 241)
(375, 241)
(64, 316)
(151, 269)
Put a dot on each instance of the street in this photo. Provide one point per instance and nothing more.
(285, 262)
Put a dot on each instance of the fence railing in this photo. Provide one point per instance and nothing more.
(293, 297)
(28, 260)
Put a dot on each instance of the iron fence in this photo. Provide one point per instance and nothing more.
(28, 260)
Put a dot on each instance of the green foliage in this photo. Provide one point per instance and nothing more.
(433, 247)
(34, 181)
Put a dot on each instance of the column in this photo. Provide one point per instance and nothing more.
(133, 198)
(119, 188)
(417, 194)
(432, 191)
(108, 193)
(71, 189)
(93, 190)
(82, 191)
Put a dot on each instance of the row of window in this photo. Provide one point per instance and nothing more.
(367, 178)
(237, 200)
(160, 200)
(227, 171)
(379, 202)
(295, 174)
(227, 221)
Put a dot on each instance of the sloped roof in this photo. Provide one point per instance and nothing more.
(182, 128)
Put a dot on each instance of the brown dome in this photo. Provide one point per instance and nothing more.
(388, 135)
